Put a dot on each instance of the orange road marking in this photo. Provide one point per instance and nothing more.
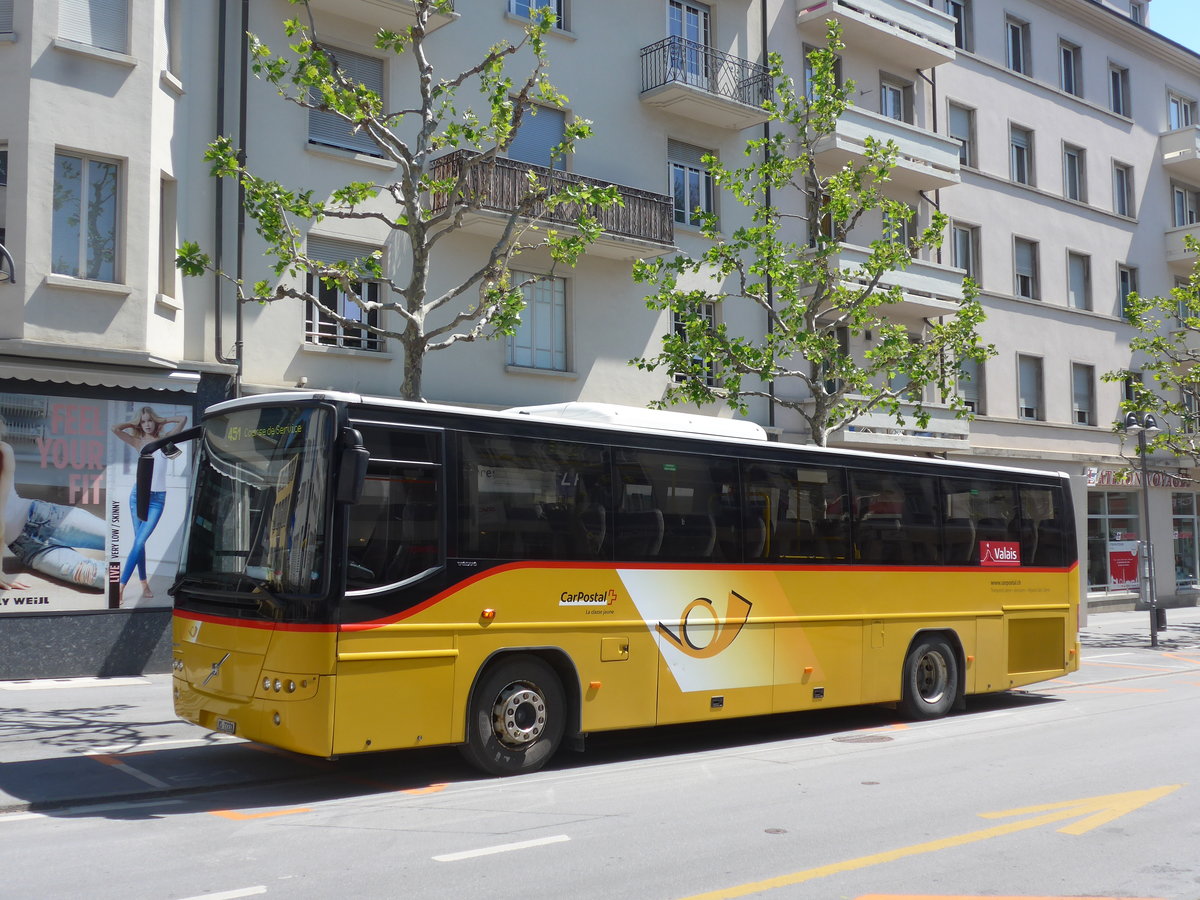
(431, 789)
(243, 817)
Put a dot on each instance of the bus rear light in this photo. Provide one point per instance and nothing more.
(488, 614)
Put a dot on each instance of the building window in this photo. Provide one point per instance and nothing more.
(1079, 280)
(1017, 45)
(1083, 394)
(1137, 12)
(962, 129)
(688, 24)
(1070, 68)
(327, 128)
(540, 341)
(524, 9)
(542, 129)
(1189, 398)
(708, 312)
(1184, 522)
(320, 326)
(167, 236)
(965, 249)
(1112, 517)
(1127, 283)
(1181, 112)
(172, 25)
(1029, 388)
(6, 16)
(1074, 173)
(3, 166)
(1123, 190)
(1020, 155)
(970, 386)
(1118, 90)
(809, 87)
(896, 99)
(98, 23)
(961, 10)
(1025, 268)
(1185, 204)
(691, 183)
(86, 216)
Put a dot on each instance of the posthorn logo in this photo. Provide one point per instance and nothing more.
(999, 553)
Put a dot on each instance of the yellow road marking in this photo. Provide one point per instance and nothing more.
(1097, 810)
(244, 817)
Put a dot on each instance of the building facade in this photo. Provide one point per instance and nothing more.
(1059, 136)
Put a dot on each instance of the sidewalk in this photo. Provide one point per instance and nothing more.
(76, 742)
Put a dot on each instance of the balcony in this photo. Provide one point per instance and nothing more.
(944, 432)
(907, 34)
(930, 290)
(390, 14)
(643, 226)
(703, 84)
(925, 160)
(1180, 259)
(1181, 152)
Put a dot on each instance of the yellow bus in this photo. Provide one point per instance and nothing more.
(363, 574)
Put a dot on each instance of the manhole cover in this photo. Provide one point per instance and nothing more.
(862, 738)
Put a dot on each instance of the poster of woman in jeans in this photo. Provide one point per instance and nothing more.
(68, 525)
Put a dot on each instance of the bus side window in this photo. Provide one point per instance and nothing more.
(1043, 529)
(978, 510)
(896, 519)
(794, 513)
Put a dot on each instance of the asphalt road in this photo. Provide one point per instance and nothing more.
(1085, 787)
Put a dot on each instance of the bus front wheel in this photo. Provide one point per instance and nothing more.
(930, 679)
(517, 717)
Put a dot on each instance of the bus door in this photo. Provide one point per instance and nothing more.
(395, 559)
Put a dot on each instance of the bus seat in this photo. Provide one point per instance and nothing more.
(689, 536)
(593, 518)
(639, 533)
(961, 548)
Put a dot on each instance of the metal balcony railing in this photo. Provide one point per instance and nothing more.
(503, 184)
(674, 60)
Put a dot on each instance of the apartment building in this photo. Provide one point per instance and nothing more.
(1058, 135)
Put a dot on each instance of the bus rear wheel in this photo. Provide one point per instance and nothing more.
(930, 679)
(517, 717)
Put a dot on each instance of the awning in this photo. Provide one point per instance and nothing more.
(100, 376)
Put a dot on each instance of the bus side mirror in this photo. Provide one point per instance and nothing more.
(352, 473)
(145, 478)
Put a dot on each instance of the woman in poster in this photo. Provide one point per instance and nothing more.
(149, 426)
(44, 536)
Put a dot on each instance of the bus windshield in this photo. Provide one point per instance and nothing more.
(260, 504)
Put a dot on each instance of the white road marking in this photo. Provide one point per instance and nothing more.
(501, 848)
(182, 742)
(131, 771)
(232, 895)
(49, 684)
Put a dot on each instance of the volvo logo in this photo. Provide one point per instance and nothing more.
(216, 669)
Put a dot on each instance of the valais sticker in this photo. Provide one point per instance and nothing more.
(999, 553)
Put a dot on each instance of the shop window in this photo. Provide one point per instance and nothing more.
(1184, 524)
(1112, 532)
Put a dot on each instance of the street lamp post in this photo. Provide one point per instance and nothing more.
(1143, 425)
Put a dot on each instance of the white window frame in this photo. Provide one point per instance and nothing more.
(1079, 280)
(523, 9)
(1020, 155)
(895, 98)
(82, 268)
(1025, 271)
(1016, 45)
(961, 11)
(1083, 394)
(1122, 179)
(964, 248)
(540, 341)
(971, 386)
(1075, 173)
(687, 173)
(1119, 100)
(1185, 204)
(966, 142)
(1070, 68)
(1181, 111)
(1031, 403)
(103, 24)
(319, 328)
(327, 129)
(1127, 283)
(709, 312)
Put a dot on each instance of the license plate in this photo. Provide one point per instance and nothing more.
(226, 726)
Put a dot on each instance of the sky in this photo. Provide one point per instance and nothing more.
(1177, 19)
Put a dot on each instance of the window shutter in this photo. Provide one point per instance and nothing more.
(6, 16)
(538, 135)
(98, 23)
(326, 128)
(330, 250)
(688, 154)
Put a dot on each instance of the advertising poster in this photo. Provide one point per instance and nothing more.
(70, 537)
(1123, 564)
